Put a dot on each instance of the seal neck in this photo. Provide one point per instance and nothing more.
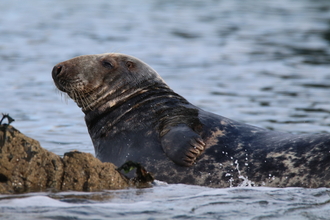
(117, 105)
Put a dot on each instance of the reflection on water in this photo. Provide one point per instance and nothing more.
(262, 62)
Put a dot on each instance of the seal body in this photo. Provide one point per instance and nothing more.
(132, 115)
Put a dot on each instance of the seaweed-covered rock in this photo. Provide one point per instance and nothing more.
(25, 166)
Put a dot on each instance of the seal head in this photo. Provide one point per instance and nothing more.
(104, 78)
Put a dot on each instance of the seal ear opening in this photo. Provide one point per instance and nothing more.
(130, 65)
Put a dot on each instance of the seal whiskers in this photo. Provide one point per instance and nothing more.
(82, 99)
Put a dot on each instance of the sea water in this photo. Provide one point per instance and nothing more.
(260, 62)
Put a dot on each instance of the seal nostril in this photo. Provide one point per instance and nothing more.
(57, 70)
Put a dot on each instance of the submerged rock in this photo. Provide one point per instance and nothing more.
(25, 167)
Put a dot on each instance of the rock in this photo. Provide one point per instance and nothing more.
(27, 167)
(84, 172)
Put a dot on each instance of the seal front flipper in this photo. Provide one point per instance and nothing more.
(182, 145)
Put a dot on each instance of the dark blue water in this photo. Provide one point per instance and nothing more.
(265, 63)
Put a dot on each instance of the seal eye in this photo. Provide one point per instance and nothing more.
(107, 64)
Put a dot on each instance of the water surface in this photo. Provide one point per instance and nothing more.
(261, 62)
(172, 202)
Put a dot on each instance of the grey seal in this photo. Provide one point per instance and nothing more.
(133, 115)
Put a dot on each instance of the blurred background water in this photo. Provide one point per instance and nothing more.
(261, 62)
